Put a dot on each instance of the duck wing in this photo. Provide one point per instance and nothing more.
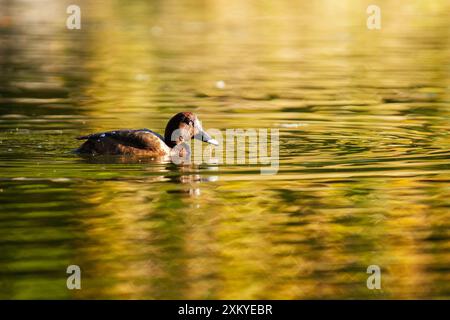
(124, 141)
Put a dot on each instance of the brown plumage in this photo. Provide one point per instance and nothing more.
(144, 142)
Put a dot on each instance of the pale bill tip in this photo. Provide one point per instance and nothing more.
(213, 142)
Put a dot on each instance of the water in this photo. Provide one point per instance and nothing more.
(364, 150)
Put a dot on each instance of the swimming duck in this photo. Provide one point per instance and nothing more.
(181, 128)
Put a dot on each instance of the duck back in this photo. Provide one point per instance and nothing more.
(124, 142)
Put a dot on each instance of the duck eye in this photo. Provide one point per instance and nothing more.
(188, 121)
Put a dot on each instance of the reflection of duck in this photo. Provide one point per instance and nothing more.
(143, 142)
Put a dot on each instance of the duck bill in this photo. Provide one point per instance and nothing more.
(203, 136)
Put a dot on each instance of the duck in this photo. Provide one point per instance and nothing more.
(180, 129)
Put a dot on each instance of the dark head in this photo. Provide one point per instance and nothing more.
(184, 126)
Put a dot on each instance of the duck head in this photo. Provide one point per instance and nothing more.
(184, 126)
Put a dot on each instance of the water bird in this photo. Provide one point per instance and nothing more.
(181, 128)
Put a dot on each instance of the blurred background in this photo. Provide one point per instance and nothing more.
(364, 118)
